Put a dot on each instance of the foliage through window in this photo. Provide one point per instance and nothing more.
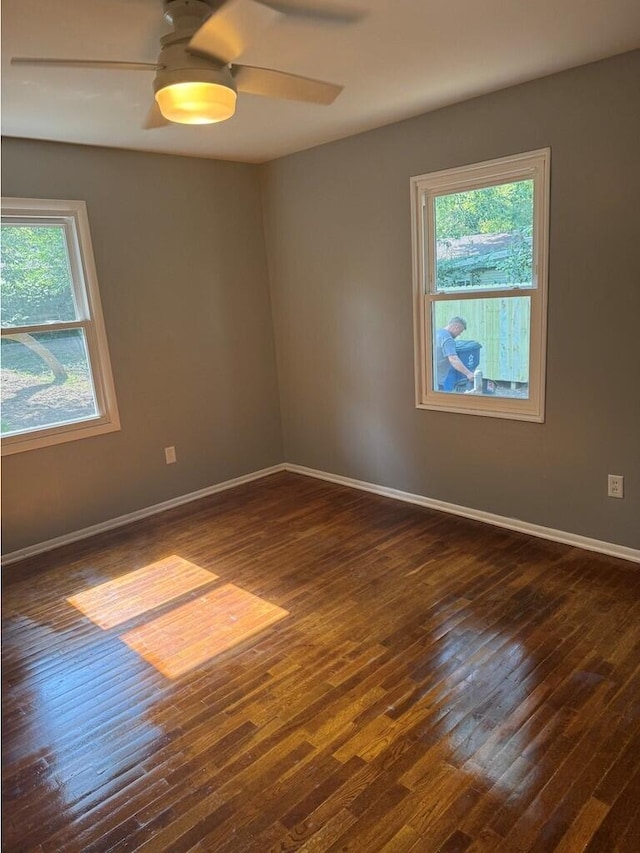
(480, 264)
(56, 377)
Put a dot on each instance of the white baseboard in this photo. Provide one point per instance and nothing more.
(538, 530)
(584, 542)
(121, 520)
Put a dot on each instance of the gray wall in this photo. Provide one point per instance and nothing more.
(181, 265)
(338, 231)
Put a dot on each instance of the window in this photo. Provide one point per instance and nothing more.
(56, 377)
(480, 287)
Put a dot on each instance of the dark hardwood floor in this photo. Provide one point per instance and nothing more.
(437, 685)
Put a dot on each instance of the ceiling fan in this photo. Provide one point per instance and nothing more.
(197, 78)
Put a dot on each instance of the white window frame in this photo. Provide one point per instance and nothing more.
(72, 215)
(533, 165)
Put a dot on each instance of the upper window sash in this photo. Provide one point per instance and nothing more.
(531, 166)
(71, 219)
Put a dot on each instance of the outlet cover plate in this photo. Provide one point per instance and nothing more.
(615, 485)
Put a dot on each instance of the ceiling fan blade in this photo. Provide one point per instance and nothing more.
(155, 118)
(279, 84)
(324, 14)
(84, 63)
(227, 33)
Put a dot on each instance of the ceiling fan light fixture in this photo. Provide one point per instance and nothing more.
(196, 102)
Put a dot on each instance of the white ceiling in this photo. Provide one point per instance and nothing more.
(401, 58)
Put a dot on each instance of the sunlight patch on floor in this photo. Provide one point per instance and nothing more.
(130, 595)
(187, 636)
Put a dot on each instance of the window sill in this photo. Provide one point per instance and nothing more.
(58, 435)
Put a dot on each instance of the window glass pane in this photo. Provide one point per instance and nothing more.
(484, 237)
(46, 381)
(495, 342)
(36, 276)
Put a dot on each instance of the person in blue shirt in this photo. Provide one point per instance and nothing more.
(446, 358)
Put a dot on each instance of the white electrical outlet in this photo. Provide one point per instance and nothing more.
(615, 486)
(170, 454)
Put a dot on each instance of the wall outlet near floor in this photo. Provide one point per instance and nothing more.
(615, 485)
(170, 454)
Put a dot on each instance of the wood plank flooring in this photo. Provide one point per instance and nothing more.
(437, 685)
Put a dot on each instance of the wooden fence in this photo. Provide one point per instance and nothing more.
(501, 326)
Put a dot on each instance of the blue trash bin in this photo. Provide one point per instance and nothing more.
(469, 354)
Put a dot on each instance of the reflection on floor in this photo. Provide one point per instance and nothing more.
(191, 634)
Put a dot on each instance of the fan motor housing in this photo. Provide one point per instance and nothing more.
(176, 64)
